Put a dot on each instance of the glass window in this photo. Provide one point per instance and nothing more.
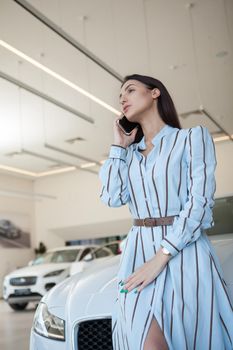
(101, 252)
(223, 216)
(58, 256)
(114, 248)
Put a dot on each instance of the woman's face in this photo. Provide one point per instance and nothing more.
(139, 99)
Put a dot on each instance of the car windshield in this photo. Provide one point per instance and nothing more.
(59, 256)
(222, 214)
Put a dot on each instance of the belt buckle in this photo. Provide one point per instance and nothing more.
(144, 221)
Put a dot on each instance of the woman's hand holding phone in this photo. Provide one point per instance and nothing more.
(120, 138)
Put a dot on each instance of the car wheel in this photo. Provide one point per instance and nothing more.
(18, 307)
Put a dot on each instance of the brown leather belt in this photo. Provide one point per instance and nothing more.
(148, 222)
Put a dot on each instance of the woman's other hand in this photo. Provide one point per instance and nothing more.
(146, 273)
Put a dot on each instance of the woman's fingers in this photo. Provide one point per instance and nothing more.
(143, 285)
(139, 279)
(132, 285)
(134, 281)
(138, 284)
(130, 277)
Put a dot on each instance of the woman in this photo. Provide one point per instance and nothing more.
(171, 290)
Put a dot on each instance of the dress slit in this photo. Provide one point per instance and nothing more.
(151, 314)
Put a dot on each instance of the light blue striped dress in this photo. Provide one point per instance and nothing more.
(189, 298)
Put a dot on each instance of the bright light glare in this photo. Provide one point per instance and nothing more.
(58, 77)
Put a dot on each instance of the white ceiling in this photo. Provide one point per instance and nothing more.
(188, 46)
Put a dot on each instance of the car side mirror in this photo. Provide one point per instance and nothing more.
(88, 257)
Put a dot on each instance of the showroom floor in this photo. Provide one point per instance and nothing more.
(15, 327)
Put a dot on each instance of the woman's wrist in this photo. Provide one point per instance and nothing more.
(165, 251)
(162, 257)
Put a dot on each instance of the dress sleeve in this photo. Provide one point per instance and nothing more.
(197, 212)
(114, 176)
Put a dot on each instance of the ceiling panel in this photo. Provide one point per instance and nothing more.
(187, 46)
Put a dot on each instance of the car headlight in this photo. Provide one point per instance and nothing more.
(47, 324)
(54, 273)
(6, 279)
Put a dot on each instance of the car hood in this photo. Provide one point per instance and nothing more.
(85, 293)
(38, 270)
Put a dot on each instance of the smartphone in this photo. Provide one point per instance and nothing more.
(126, 126)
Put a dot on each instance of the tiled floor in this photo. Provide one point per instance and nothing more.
(15, 327)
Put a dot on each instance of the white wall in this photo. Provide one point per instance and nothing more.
(11, 258)
(224, 170)
(77, 205)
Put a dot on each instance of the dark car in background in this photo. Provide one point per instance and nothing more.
(9, 230)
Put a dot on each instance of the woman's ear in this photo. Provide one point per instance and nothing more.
(155, 93)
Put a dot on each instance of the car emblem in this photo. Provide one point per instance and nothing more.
(22, 280)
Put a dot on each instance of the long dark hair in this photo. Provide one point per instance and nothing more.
(166, 108)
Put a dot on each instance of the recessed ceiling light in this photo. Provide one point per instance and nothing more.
(56, 171)
(88, 165)
(222, 138)
(17, 170)
(33, 174)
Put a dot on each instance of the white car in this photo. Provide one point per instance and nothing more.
(31, 283)
(76, 314)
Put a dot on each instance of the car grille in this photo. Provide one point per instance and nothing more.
(95, 335)
(23, 281)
